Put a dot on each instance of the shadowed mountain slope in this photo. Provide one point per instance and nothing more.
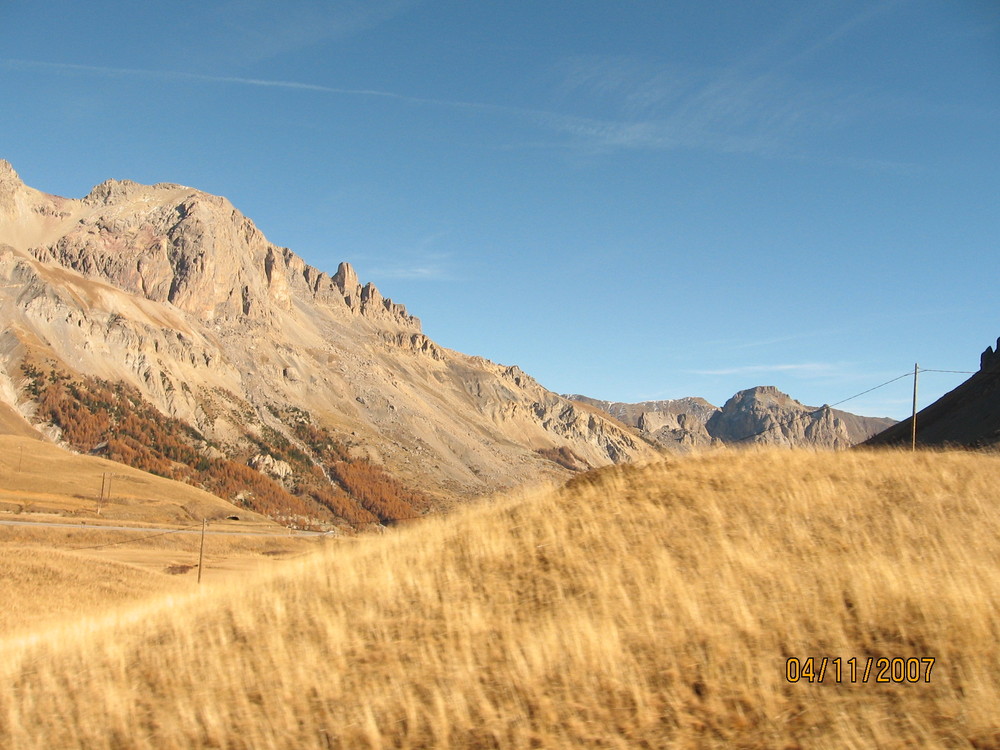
(967, 416)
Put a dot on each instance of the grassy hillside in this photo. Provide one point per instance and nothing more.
(12, 423)
(636, 607)
(39, 477)
(86, 564)
(54, 577)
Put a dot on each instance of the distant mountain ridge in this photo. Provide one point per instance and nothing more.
(140, 300)
(762, 415)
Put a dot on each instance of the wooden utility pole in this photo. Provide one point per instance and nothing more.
(913, 419)
(201, 553)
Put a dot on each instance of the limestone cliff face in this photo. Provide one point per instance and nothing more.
(756, 415)
(766, 415)
(170, 243)
(175, 292)
(677, 424)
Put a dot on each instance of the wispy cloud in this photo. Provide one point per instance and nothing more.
(865, 15)
(419, 263)
(733, 110)
(538, 116)
(807, 368)
(757, 104)
(253, 30)
(608, 104)
(413, 273)
(775, 340)
(743, 343)
(201, 77)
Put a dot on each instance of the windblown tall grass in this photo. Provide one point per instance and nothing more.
(636, 607)
(48, 571)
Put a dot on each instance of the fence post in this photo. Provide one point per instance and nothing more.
(100, 499)
(913, 419)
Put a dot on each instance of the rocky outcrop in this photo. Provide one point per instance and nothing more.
(10, 185)
(990, 357)
(175, 292)
(273, 467)
(677, 424)
(756, 415)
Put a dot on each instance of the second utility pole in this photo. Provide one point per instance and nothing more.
(201, 552)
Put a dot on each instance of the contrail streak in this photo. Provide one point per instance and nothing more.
(262, 82)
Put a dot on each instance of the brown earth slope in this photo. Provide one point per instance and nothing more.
(967, 416)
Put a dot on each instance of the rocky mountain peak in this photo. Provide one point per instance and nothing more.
(766, 415)
(7, 174)
(762, 390)
(177, 294)
(762, 414)
(760, 393)
(18, 200)
(175, 244)
(10, 186)
(111, 191)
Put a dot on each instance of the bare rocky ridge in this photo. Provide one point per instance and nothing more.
(678, 424)
(757, 415)
(175, 292)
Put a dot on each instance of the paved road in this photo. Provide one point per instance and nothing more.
(162, 529)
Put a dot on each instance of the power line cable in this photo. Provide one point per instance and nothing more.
(850, 398)
(140, 539)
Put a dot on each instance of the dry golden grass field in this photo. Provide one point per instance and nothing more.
(69, 558)
(39, 477)
(647, 607)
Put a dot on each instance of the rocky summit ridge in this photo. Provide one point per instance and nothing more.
(175, 295)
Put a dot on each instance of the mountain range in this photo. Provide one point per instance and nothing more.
(163, 309)
(762, 415)
(158, 326)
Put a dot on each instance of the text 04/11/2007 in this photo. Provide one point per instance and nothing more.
(878, 670)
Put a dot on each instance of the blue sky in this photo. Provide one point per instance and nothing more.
(631, 200)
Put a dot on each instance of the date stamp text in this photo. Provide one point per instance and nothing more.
(871, 669)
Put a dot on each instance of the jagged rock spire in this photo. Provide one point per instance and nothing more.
(10, 185)
(346, 279)
(7, 172)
